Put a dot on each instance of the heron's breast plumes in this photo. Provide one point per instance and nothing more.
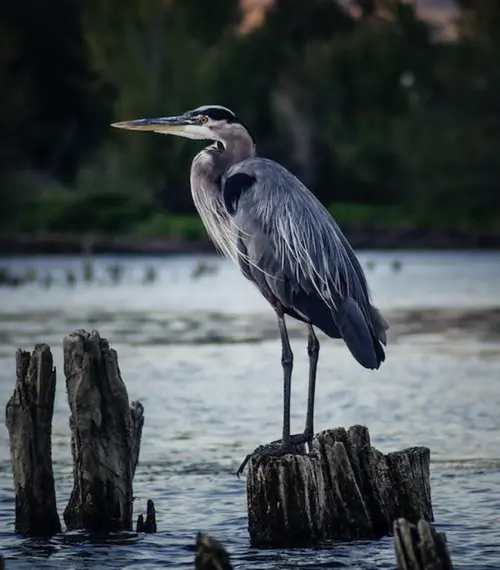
(209, 203)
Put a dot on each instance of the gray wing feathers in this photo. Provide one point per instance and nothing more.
(282, 222)
(289, 243)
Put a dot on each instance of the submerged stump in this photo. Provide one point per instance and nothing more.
(420, 547)
(105, 436)
(28, 417)
(343, 489)
(211, 554)
(149, 525)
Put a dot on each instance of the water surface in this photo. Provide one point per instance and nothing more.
(202, 355)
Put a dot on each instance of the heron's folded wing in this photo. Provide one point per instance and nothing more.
(289, 237)
(290, 246)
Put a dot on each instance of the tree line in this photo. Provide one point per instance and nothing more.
(385, 120)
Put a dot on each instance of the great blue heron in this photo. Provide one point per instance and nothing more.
(284, 241)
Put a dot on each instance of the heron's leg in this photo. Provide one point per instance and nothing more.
(313, 352)
(287, 363)
(288, 443)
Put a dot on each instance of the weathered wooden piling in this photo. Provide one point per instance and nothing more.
(420, 547)
(105, 439)
(343, 489)
(28, 417)
(105, 436)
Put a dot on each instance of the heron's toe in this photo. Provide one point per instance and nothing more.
(278, 448)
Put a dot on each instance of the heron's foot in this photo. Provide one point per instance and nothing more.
(278, 448)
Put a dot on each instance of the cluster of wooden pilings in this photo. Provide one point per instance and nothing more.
(341, 489)
(105, 438)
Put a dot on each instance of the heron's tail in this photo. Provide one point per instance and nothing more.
(379, 324)
(364, 344)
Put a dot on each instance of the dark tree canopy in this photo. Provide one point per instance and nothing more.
(371, 109)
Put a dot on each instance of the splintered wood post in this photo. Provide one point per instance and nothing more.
(148, 525)
(211, 554)
(105, 436)
(420, 547)
(344, 489)
(28, 417)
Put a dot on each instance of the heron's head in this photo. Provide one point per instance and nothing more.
(210, 122)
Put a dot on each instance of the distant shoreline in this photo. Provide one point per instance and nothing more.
(361, 238)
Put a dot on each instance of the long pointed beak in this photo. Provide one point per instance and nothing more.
(158, 125)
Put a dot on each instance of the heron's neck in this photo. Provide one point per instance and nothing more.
(238, 145)
(215, 160)
(206, 172)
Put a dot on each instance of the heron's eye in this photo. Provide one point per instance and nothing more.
(202, 119)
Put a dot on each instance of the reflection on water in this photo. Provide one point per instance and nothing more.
(203, 357)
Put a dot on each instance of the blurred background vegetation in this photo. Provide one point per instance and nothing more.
(389, 120)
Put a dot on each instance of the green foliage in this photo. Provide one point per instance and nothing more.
(67, 211)
(351, 213)
(90, 206)
(188, 227)
(376, 114)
